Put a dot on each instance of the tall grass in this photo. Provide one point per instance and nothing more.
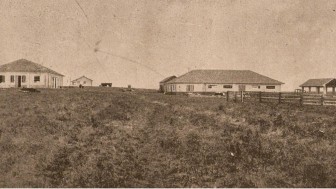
(108, 138)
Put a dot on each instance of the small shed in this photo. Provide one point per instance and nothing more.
(83, 81)
(322, 85)
(163, 82)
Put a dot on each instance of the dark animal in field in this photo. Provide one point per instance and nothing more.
(106, 85)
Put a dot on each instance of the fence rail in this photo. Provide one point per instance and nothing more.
(282, 97)
(286, 97)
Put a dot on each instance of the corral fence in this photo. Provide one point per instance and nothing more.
(281, 97)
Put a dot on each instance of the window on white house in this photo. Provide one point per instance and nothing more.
(190, 88)
(210, 86)
(270, 87)
(255, 86)
(227, 86)
(23, 79)
(84, 82)
(2, 79)
(12, 78)
(36, 78)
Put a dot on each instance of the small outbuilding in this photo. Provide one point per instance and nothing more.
(82, 81)
(27, 74)
(322, 85)
(163, 82)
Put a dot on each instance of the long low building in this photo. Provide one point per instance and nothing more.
(321, 85)
(208, 81)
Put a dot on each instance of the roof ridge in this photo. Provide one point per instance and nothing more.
(81, 77)
(34, 67)
(224, 76)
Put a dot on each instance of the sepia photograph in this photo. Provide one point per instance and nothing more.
(167, 94)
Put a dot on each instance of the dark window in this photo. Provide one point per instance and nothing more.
(227, 86)
(210, 86)
(270, 87)
(12, 79)
(190, 88)
(23, 79)
(2, 79)
(36, 78)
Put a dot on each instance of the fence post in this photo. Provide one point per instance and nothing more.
(227, 96)
(235, 94)
(242, 96)
(260, 97)
(322, 100)
(301, 99)
(279, 97)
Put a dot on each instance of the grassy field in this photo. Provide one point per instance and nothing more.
(103, 137)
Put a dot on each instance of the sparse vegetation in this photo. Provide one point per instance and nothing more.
(103, 137)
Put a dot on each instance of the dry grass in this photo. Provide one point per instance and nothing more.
(102, 137)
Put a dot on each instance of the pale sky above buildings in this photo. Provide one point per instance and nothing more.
(140, 42)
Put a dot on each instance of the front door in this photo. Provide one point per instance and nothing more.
(242, 87)
(19, 80)
(54, 82)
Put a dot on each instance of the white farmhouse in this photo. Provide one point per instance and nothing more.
(24, 73)
(207, 81)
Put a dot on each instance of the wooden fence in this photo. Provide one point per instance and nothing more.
(282, 97)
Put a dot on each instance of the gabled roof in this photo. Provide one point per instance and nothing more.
(168, 79)
(224, 76)
(23, 65)
(81, 78)
(316, 82)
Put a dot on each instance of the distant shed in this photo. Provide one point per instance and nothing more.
(163, 82)
(84, 81)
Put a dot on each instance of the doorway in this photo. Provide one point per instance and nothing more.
(54, 82)
(19, 80)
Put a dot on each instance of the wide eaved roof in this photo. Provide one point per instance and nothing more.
(23, 65)
(81, 78)
(316, 82)
(225, 76)
(168, 79)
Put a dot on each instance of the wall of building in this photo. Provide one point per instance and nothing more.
(46, 80)
(82, 81)
(314, 89)
(219, 88)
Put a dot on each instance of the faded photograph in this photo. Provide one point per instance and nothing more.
(167, 93)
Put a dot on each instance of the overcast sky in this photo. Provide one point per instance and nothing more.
(140, 42)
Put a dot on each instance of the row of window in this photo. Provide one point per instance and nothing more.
(12, 78)
(230, 86)
(190, 88)
(224, 86)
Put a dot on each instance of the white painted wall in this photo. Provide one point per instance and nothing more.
(219, 88)
(82, 81)
(46, 80)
